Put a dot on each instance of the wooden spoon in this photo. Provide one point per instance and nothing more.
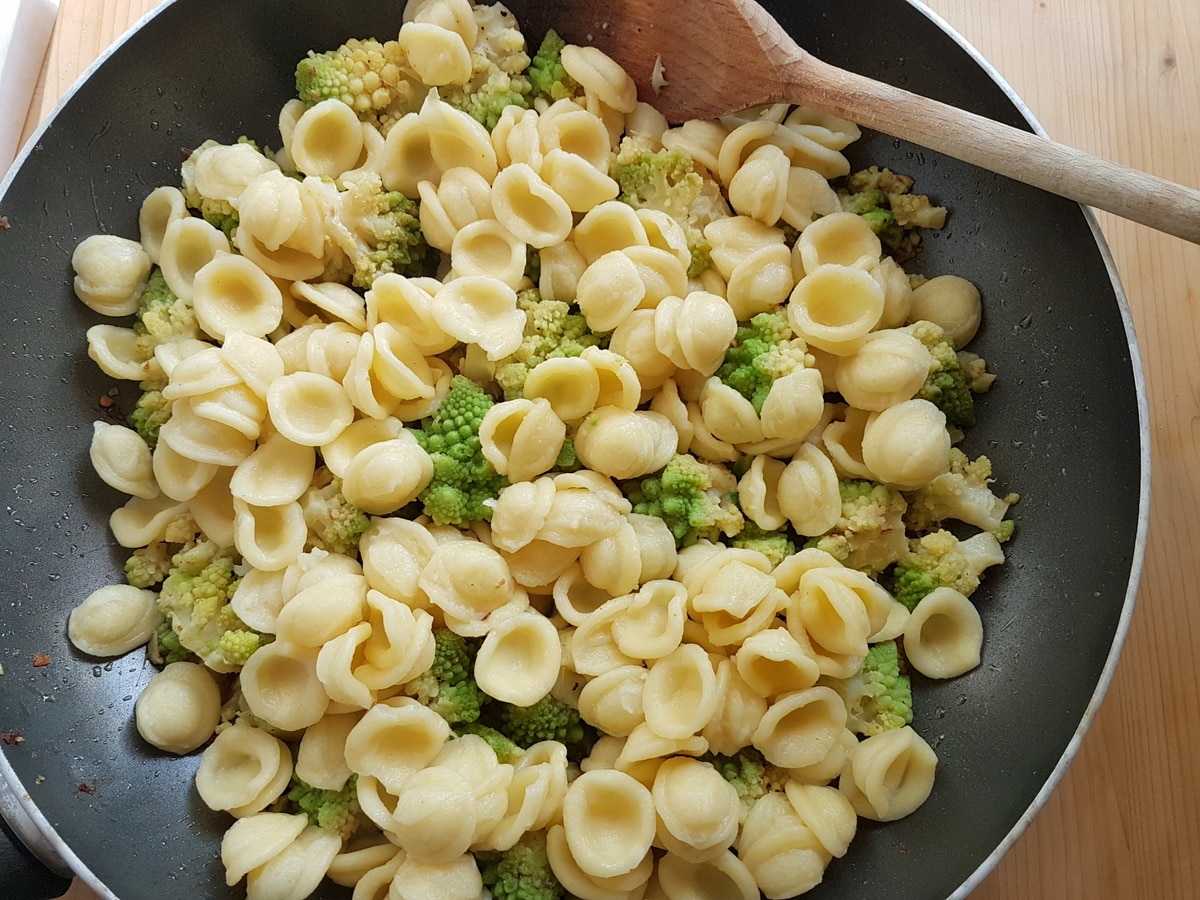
(723, 56)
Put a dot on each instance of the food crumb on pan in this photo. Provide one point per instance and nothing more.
(8, 738)
(41, 659)
(658, 79)
(4, 223)
(41, 779)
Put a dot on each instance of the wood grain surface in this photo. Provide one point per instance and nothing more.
(1120, 79)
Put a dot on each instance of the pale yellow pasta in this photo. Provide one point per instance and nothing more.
(826, 812)
(337, 300)
(570, 384)
(562, 267)
(609, 289)
(593, 649)
(327, 139)
(834, 306)
(281, 226)
(481, 310)
(680, 695)
(633, 341)
(269, 537)
(662, 272)
(486, 247)
(608, 227)
(575, 598)
(842, 439)
(230, 293)
(394, 551)
(664, 232)
(613, 563)
(188, 244)
(522, 438)
(335, 669)
(277, 472)
(519, 659)
(598, 73)
(907, 445)
(832, 613)
(809, 197)
(535, 787)
(309, 409)
(387, 474)
(951, 302)
(395, 739)
(179, 709)
(472, 586)
(458, 879)
(889, 775)
(110, 273)
(587, 507)
(645, 750)
(735, 238)
(472, 757)
(177, 476)
(840, 238)
(162, 206)
(281, 687)
(944, 635)
(122, 460)
(608, 822)
(321, 757)
(897, 292)
(577, 180)
(252, 841)
(357, 436)
(370, 865)
(435, 817)
(758, 493)
(695, 331)
(722, 877)
(141, 522)
(538, 565)
(697, 809)
(759, 187)
(622, 443)
(793, 406)
(529, 207)
(323, 611)
(739, 710)
(407, 158)
(520, 513)
(455, 15)
(589, 887)
(295, 873)
(772, 663)
(779, 850)
(800, 728)
(112, 620)
(760, 282)
(888, 368)
(516, 138)
(117, 352)
(612, 701)
(728, 415)
(242, 769)
(398, 365)
(438, 55)
(651, 626)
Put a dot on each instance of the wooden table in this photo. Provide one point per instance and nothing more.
(1120, 79)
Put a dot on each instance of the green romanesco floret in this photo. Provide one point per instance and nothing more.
(963, 494)
(879, 697)
(750, 774)
(886, 201)
(369, 76)
(498, 64)
(150, 413)
(464, 483)
(549, 719)
(485, 99)
(762, 351)
(940, 559)
(947, 386)
(448, 686)
(522, 872)
(870, 534)
(147, 566)
(334, 810)
(506, 750)
(568, 460)
(379, 231)
(196, 596)
(695, 499)
(548, 80)
(774, 545)
(334, 524)
(164, 648)
(162, 317)
(553, 328)
(667, 180)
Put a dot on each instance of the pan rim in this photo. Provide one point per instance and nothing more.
(55, 853)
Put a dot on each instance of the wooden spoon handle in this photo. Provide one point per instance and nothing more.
(1161, 204)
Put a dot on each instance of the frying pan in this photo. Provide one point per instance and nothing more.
(1065, 426)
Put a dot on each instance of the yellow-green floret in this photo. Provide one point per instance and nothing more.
(148, 566)
(553, 328)
(869, 534)
(940, 559)
(162, 316)
(464, 484)
(522, 872)
(507, 750)
(549, 719)
(695, 499)
(548, 80)
(334, 524)
(367, 75)
(498, 69)
(150, 413)
(762, 351)
(448, 686)
(879, 697)
(885, 200)
(379, 231)
(750, 774)
(947, 386)
(963, 494)
(196, 596)
(334, 810)
(774, 545)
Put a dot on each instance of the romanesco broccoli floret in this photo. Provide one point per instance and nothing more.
(498, 63)
(369, 76)
(774, 545)
(162, 316)
(869, 535)
(334, 524)
(553, 328)
(164, 648)
(693, 497)
(549, 719)
(548, 80)
(506, 750)
(940, 559)
(150, 413)
(667, 180)
(448, 686)
(750, 774)
(964, 494)
(147, 566)
(947, 387)
(378, 230)
(885, 201)
(464, 483)
(334, 810)
(879, 697)
(522, 872)
(762, 351)
(195, 597)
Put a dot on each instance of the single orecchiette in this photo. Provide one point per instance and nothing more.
(951, 302)
(522, 438)
(113, 620)
(608, 822)
(243, 770)
(110, 273)
(943, 636)
(122, 460)
(180, 708)
(519, 659)
(834, 306)
(888, 368)
(281, 686)
(622, 443)
(907, 445)
(697, 809)
(889, 775)
(394, 739)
